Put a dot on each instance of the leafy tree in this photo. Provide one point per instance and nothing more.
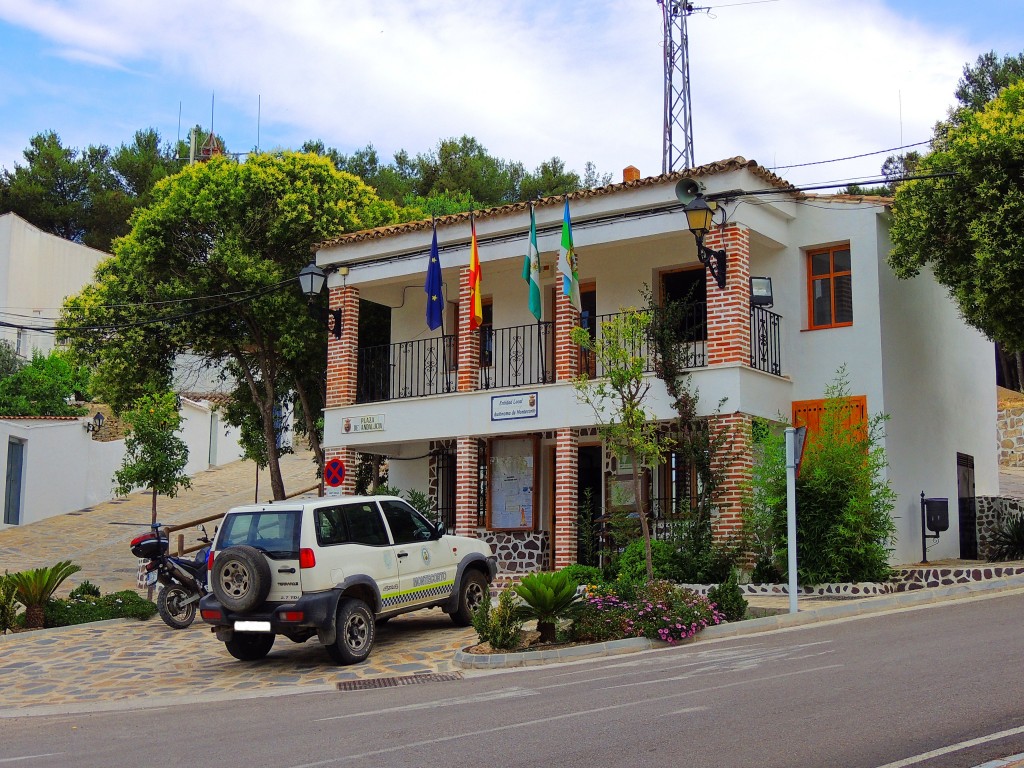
(50, 189)
(464, 165)
(43, 387)
(550, 178)
(593, 178)
(969, 227)
(10, 362)
(618, 401)
(209, 267)
(989, 75)
(155, 457)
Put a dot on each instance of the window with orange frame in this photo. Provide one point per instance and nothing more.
(829, 287)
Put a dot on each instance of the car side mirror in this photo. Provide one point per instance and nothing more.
(441, 531)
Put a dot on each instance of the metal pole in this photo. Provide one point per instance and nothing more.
(791, 514)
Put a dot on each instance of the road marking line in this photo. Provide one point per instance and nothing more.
(954, 748)
(29, 757)
(505, 693)
(554, 718)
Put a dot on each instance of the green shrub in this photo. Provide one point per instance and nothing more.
(632, 563)
(658, 610)
(844, 503)
(547, 597)
(85, 589)
(499, 625)
(728, 598)
(584, 574)
(1007, 541)
(8, 602)
(82, 610)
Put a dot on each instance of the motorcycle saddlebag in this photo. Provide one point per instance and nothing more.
(148, 545)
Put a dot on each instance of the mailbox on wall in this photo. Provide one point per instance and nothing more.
(934, 517)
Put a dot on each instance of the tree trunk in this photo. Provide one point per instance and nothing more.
(153, 506)
(35, 617)
(1004, 366)
(273, 457)
(641, 509)
(307, 416)
(1020, 370)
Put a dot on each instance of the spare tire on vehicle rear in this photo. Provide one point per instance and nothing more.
(240, 578)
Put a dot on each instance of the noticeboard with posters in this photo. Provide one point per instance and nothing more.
(512, 487)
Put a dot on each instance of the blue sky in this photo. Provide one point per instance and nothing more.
(783, 82)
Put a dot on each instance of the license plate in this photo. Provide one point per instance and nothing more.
(150, 578)
(252, 626)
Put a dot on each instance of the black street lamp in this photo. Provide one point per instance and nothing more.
(311, 281)
(699, 218)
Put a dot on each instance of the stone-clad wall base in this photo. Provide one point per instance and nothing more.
(519, 552)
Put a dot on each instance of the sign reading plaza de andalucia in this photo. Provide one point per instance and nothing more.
(372, 423)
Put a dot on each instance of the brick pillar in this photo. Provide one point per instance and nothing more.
(343, 353)
(567, 354)
(728, 321)
(466, 458)
(348, 458)
(469, 341)
(566, 498)
(736, 458)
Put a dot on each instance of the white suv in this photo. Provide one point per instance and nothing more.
(334, 568)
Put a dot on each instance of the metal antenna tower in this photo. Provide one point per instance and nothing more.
(677, 142)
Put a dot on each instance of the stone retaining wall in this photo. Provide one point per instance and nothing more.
(991, 511)
(1010, 432)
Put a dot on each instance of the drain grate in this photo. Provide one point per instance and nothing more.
(394, 682)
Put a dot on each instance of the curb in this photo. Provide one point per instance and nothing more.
(860, 607)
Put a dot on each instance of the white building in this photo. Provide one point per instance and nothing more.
(463, 414)
(37, 272)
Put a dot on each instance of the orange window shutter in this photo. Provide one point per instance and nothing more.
(807, 413)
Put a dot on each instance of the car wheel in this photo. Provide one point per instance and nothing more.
(355, 632)
(240, 578)
(250, 646)
(169, 605)
(471, 594)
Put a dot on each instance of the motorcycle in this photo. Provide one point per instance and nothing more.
(183, 581)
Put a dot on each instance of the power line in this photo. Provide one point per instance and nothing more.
(851, 157)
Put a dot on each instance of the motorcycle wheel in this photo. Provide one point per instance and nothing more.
(169, 605)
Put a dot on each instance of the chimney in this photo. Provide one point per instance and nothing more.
(630, 173)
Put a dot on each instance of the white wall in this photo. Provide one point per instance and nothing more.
(939, 377)
(37, 272)
(410, 475)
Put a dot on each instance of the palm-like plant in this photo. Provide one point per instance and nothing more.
(548, 597)
(36, 587)
(1007, 541)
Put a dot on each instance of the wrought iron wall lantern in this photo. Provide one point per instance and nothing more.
(699, 218)
(311, 281)
(95, 424)
(761, 292)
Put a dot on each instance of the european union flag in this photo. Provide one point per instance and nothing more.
(435, 298)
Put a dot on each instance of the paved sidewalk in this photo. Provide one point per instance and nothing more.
(97, 538)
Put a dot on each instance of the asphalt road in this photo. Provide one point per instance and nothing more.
(875, 691)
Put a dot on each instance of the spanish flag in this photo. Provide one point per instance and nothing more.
(476, 309)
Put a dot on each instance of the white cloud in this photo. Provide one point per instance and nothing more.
(783, 83)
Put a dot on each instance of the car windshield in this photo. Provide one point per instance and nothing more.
(275, 532)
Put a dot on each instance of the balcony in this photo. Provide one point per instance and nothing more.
(523, 355)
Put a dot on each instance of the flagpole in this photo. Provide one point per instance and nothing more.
(444, 350)
(540, 331)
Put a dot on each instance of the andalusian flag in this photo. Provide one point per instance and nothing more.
(476, 305)
(531, 267)
(432, 287)
(567, 263)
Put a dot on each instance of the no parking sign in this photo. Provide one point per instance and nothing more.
(334, 475)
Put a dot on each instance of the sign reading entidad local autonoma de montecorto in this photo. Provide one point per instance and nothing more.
(517, 406)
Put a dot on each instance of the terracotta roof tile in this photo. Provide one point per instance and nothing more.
(41, 418)
(216, 398)
(710, 169)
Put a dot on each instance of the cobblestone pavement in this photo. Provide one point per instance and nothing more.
(145, 663)
(97, 538)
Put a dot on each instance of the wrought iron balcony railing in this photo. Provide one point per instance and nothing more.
(406, 369)
(516, 357)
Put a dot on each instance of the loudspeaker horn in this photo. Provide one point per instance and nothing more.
(687, 189)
